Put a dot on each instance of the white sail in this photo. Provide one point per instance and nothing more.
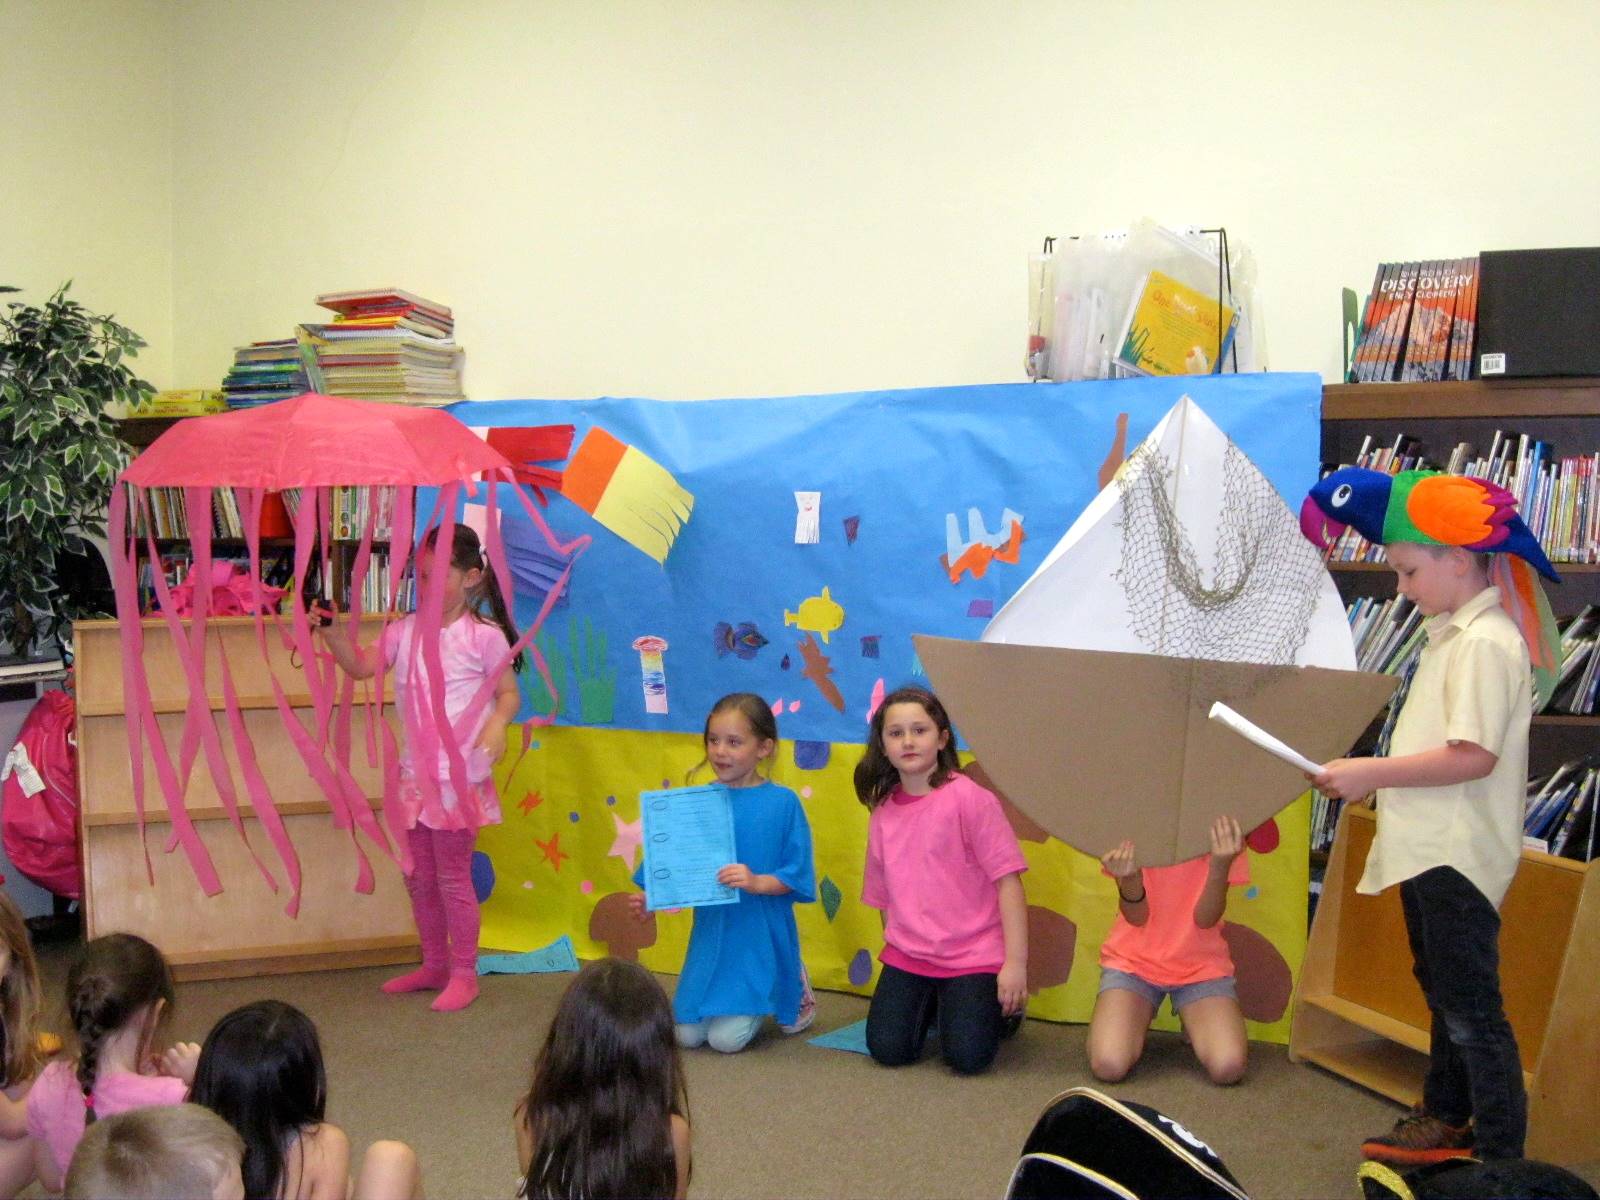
(1189, 551)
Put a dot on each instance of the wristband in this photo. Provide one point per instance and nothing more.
(1139, 899)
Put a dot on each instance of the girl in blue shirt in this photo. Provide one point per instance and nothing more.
(743, 963)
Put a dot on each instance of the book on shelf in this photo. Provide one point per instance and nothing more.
(1433, 310)
(1174, 329)
(1420, 323)
(1559, 814)
(23, 668)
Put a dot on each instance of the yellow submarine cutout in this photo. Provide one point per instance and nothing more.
(818, 614)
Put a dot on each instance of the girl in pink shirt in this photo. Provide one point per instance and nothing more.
(118, 990)
(945, 869)
(1167, 939)
(443, 826)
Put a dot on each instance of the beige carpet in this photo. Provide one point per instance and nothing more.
(783, 1118)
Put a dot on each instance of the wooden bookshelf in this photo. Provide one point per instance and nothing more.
(1359, 1013)
(243, 930)
(1563, 412)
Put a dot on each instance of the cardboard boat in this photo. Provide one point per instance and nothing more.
(1086, 698)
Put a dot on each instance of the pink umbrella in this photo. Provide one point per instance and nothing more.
(311, 443)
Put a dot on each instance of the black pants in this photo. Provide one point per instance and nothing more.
(1474, 1070)
(905, 1006)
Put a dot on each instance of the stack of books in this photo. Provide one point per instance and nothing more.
(385, 344)
(351, 507)
(265, 371)
(1577, 690)
(1558, 498)
(1559, 815)
(1419, 323)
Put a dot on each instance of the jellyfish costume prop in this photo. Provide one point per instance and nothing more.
(311, 444)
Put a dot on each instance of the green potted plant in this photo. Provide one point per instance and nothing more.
(61, 367)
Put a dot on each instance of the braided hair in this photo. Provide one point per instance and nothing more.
(113, 982)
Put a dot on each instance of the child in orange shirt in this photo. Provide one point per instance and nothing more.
(1167, 940)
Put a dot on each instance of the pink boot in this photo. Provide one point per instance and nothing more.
(461, 991)
(423, 979)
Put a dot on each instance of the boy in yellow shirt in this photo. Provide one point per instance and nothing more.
(1450, 797)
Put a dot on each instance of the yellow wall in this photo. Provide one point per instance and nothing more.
(679, 198)
(86, 160)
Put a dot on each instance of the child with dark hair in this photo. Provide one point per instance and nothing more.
(607, 1113)
(170, 1152)
(261, 1070)
(743, 963)
(443, 826)
(944, 867)
(22, 1047)
(119, 989)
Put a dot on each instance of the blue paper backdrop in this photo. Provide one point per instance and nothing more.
(898, 461)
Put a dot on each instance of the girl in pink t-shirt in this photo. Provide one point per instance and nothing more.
(945, 869)
(118, 990)
(1167, 939)
(442, 825)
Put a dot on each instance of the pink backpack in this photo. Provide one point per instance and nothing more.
(39, 798)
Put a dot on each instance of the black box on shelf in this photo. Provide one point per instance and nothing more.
(1539, 313)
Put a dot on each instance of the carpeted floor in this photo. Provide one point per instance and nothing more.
(782, 1119)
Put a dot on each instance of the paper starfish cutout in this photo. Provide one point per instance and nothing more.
(630, 834)
(552, 851)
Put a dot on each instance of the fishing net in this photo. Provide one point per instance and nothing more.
(1264, 582)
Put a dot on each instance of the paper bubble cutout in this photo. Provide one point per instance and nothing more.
(860, 969)
(1263, 839)
(482, 876)
(812, 756)
(1052, 939)
(828, 892)
(1259, 971)
(614, 926)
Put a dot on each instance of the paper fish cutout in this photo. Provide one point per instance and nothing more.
(743, 640)
(973, 556)
(819, 669)
(818, 614)
(628, 492)
(525, 445)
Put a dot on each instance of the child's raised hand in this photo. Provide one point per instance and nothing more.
(179, 1061)
(636, 906)
(1227, 840)
(1119, 863)
(736, 875)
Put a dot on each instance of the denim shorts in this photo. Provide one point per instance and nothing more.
(1183, 995)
